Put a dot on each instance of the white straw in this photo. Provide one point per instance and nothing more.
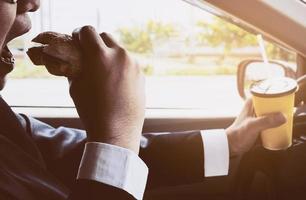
(262, 49)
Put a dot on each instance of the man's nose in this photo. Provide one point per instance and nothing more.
(28, 6)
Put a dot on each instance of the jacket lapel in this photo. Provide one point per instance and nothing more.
(11, 128)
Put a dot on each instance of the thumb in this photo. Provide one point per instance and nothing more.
(267, 121)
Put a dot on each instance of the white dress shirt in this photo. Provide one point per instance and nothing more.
(122, 168)
(216, 152)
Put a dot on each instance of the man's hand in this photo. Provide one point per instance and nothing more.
(243, 133)
(109, 93)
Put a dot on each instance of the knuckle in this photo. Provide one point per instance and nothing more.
(268, 121)
(87, 30)
(104, 34)
(122, 52)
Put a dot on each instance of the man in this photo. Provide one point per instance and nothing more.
(40, 162)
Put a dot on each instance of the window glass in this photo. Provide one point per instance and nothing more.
(189, 56)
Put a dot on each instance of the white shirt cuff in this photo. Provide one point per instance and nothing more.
(114, 166)
(216, 152)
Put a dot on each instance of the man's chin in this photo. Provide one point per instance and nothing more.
(2, 82)
(4, 71)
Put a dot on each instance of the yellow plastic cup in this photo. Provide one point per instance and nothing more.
(275, 95)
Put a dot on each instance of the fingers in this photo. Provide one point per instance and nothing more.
(268, 121)
(35, 54)
(248, 107)
(247, 111)
(109, 40)
(46, 37)
(90, 41)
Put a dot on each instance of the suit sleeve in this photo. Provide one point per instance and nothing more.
(61, 148)
(185, 157)
(92, 190)
(173, 159)
(103, 171)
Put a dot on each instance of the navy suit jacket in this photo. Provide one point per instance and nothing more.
(41, 162)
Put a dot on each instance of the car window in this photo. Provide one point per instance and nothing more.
(188, 55)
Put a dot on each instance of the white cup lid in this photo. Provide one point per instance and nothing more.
(274, 87)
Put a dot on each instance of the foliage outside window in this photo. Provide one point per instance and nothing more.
(144, 39)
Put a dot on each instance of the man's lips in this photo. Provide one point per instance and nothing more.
(7, 56)
(7, 61)
(21, 26)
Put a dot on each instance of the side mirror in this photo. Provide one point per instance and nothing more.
(253, 70)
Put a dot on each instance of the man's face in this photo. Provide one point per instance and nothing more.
(14, 22)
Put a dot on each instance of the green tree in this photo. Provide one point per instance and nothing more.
(141, 39)
(229, 36)
(136, 40)
(221, 33)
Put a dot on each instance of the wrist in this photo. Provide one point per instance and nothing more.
(232, 142)
(124, 142)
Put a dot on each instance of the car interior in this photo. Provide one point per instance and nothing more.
(280, 26)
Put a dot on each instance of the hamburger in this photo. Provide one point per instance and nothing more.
(59, 48)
